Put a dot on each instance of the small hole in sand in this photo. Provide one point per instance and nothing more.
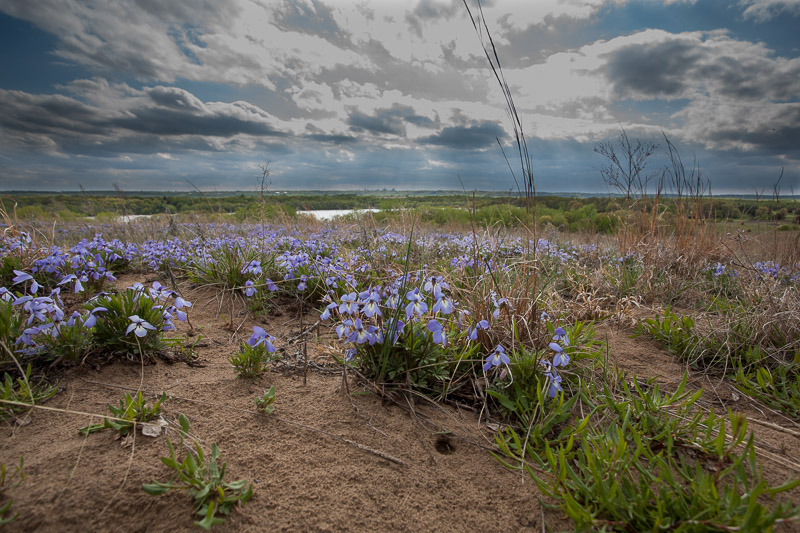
(443, 445)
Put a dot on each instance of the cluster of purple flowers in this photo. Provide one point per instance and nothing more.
(719, 270)
(499, 360)
(371, 316)
(558, 344)
(771, 269)
(46, 316)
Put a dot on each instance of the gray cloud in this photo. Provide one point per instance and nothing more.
(759, 126)
(175, 98)
(655, 70)
(680, 68)
(765, 10)
(156, 119)
(739, 96)
(471, 137)
(44, 114)
(332, 138)
(427, 10)
(376, 124)
(389, 120)
(445, 84)
(538, 41)
(258, 75)
(145, 39)
(311, 17)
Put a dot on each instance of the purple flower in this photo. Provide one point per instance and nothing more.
(360, 334)
(73, 318)
(561, 336)
(91, 320)
(397, 326)
(139, 326)
(417, 306)
(22, 277)
(496, 358)
(160, 292)
(252, 267)
(443, 303)
(348, 305)
(249, 288)
(260, 336)
(560, 358)
(497, 304)
(326, 314)
(555, 384)
(343, 329)
(391, 301)
(371, 305)
(180, 303)
(472, 333)
(439, 336)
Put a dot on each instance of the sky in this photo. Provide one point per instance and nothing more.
(395, 94)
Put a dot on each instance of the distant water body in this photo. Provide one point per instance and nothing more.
(319, 214)
(329, 214)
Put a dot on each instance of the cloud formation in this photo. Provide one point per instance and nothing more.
(765, 10)
(354, 93)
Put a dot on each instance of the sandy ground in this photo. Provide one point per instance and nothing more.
(324, 461)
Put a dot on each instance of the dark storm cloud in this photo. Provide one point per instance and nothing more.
(311, 18)
(655, 70)
(332, 138)
(427, 10)
(678, 68)
(455, 61)
(43, 114)
(389, 120)
(408, 114)
(175, 98)
(160, 121)
(157, 119)
(434, 9)
(475, 136)
(538, 41)
(141, 38)
(358, 121)
(765, 10)
(445, 84)
(781, 136)
(749, 78)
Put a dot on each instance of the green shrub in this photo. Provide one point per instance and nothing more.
(5, 484)
(21, 393)
(251, 361)
(132, 410)
(114, 333)
(264, 404)
(636, 463)
(202, 479)
(68, 342)
(12, 323)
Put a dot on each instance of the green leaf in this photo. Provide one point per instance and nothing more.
(210, 520)
(155, 489)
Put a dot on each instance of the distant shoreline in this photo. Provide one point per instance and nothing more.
(356, 192)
